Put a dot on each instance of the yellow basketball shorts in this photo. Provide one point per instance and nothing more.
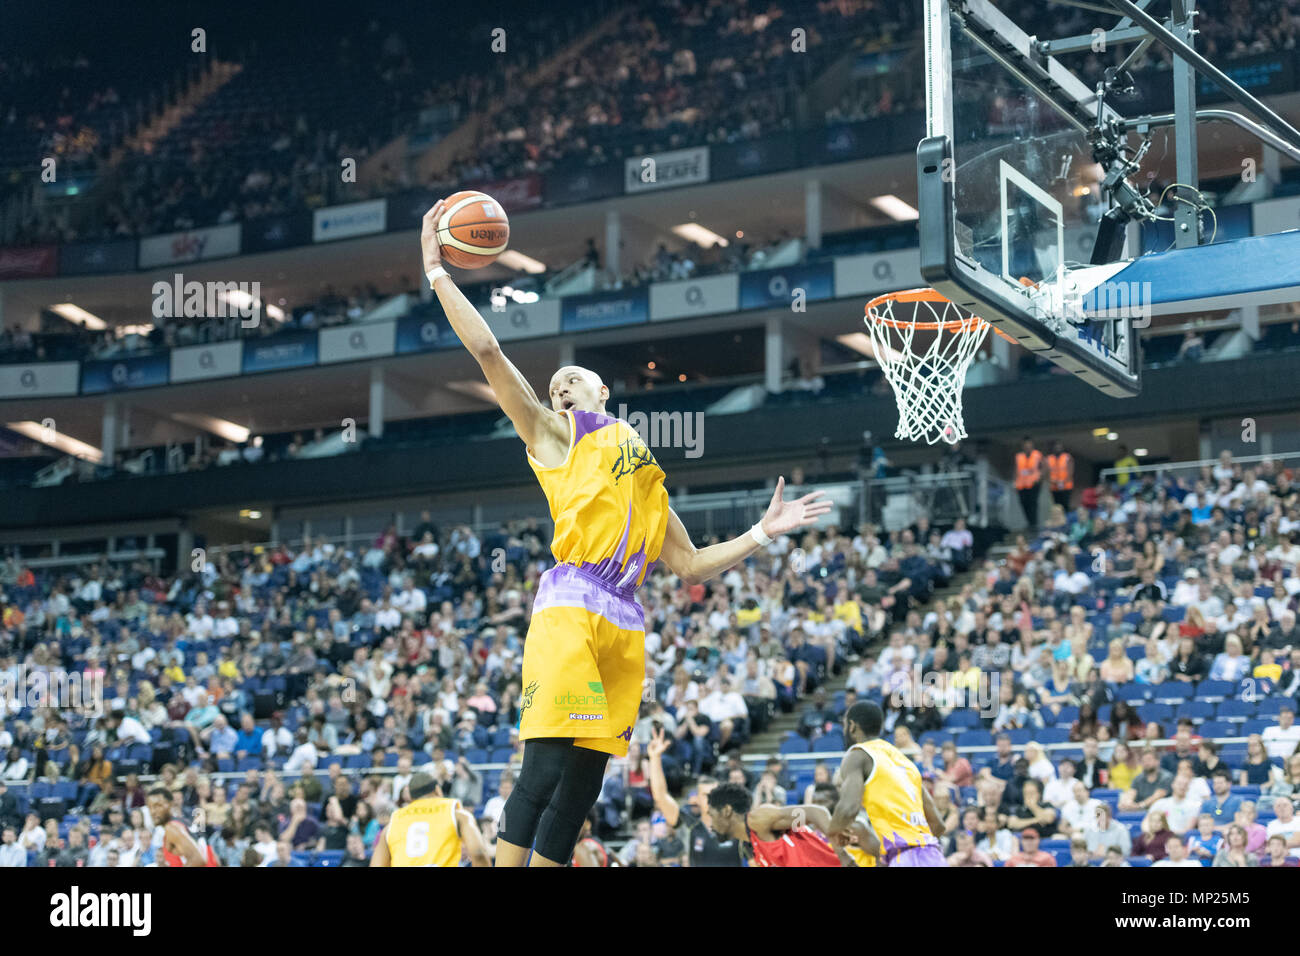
(584, 662)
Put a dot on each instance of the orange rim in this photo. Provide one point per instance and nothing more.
(927, 295)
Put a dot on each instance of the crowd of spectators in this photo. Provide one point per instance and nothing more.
(244, 683)
(671, 76)
(1093, 685)
(662, 77)
(1129, 673)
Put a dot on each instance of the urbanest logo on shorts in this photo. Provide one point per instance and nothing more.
(74, 909)
(595, 699)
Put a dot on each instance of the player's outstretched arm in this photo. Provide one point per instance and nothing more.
(696, 565)
(471, 839)
(541, 428)
(663, 800)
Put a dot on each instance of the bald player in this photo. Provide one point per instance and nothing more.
(431, 830)
(584, 656)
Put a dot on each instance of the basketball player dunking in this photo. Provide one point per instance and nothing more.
(431, 830)
(178, 848)
(584, 656)
(878, 780)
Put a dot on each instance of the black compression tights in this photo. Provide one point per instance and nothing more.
(556, 789)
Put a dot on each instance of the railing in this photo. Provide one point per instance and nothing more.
(1194, 467)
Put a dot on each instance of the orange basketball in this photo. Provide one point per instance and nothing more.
(473, 230)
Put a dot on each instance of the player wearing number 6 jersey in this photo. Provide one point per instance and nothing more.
(431, 830)
(876, 778)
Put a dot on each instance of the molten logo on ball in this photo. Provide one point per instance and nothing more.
(473, 230)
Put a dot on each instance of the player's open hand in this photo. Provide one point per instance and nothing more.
(785, 516)
(432, 255)
(658, 744)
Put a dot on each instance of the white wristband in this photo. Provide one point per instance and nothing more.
(759, 535)
(434, 273)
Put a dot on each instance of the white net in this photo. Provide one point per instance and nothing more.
(927, 378)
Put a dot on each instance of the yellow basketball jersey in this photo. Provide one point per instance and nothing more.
(425, 833)
(607, 500)
(892, 799)
(860, 857)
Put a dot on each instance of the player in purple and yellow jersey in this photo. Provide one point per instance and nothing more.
(584, 656)
(877, 779)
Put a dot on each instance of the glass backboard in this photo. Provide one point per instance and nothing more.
(1010, 197)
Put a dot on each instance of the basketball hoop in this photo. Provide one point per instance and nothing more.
(927, 379)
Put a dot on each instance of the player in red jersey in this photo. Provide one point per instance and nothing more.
(776, 836)
(590, 851)
(179, 848)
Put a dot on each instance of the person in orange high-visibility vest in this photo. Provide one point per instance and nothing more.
(1029, 479)
(1060, 475)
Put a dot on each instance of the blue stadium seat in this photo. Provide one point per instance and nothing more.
(1139, 861)
(1196, 709)
(1217, 728)
(1133, 692)
(1136, 652)
(1053, 735)
(1020, 736)
(1272, 706)
(1171, 692)
(1106, 795)
(501, 738)
(794, 745)
(1067, 715)
(327, 858)
(974, 738)
(1157, 712)
(833, 740)
(1174, 614)
(476, 755)
(1255, 727)
(502, 755)
(1236, 711)
(962, 719)
(1215, 690)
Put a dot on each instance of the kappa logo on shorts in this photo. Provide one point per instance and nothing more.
(528, 697)
(586, 716)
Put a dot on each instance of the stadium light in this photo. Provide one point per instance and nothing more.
(702, 237)
(218, 426)
(56, 439)
(75, 313)
(480, 390)
(513, 259)
(895, 208)
(859, 342)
